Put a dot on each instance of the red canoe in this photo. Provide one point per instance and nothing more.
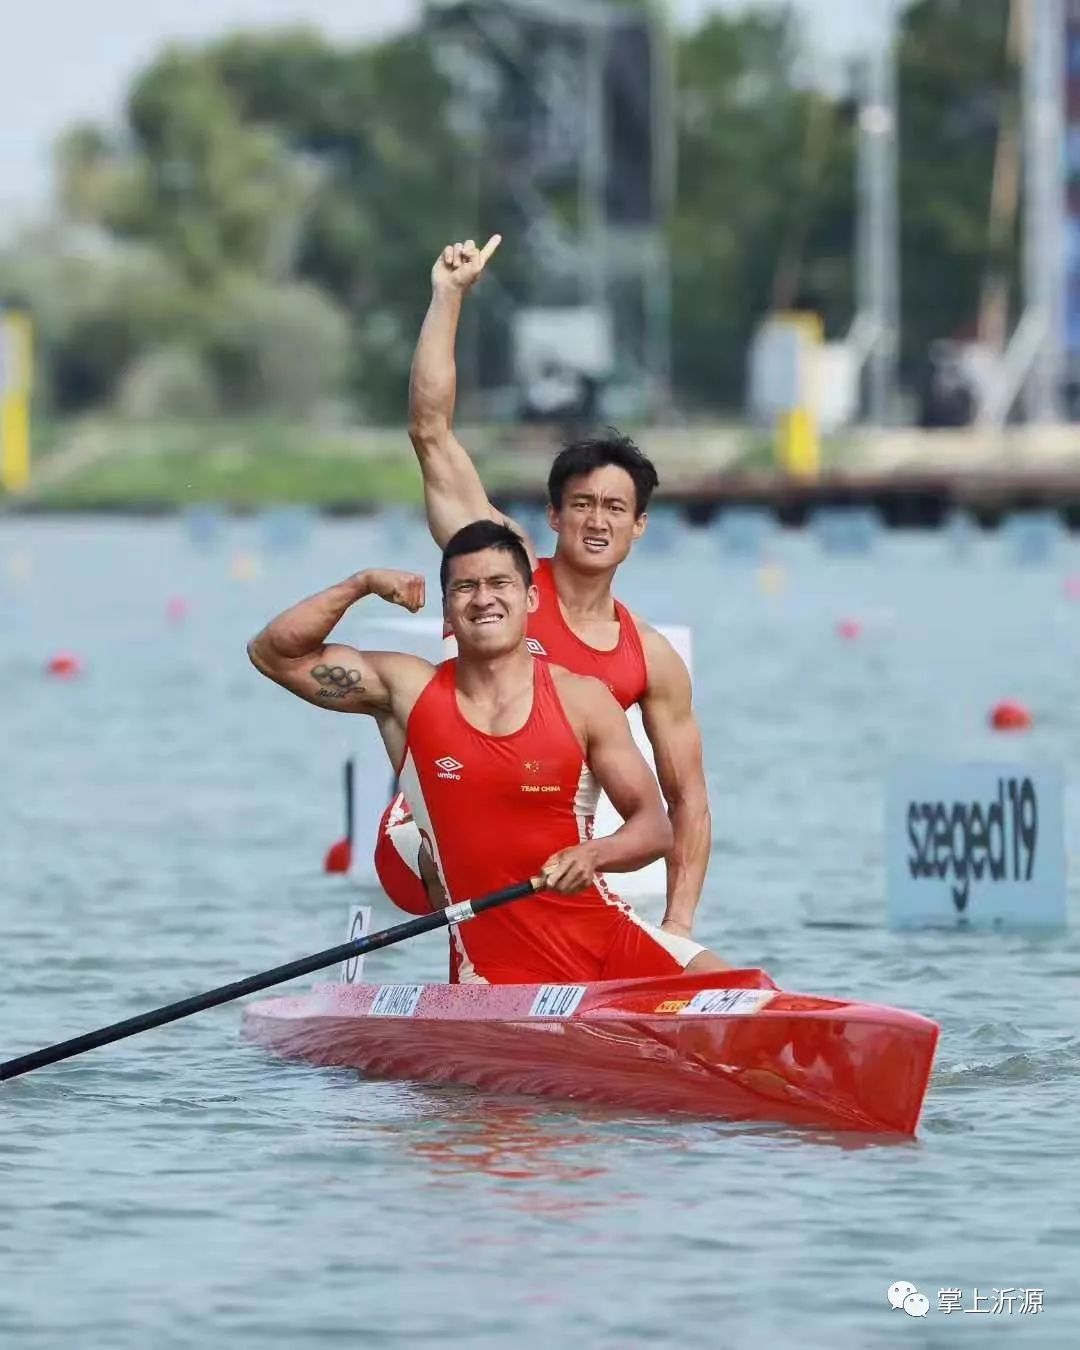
(730, 1045)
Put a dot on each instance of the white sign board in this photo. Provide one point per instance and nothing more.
(396, 1000)
(975, 846)
(579, 339)
(557, 1000)
(352, 971)
(727, 1002)
(838, 386)
(776, 370)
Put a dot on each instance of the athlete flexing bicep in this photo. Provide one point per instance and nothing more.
(621, 771)
(453, 493)
(292, 650)
(672, 729)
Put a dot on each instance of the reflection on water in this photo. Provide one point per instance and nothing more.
(510, 1141)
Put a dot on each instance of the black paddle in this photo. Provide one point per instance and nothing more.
(172, 1012)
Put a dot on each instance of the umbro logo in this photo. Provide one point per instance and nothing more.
(448, 767)
(535, 647)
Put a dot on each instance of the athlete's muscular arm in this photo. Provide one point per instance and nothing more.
(292, 649)
(672, 728)
(453, 493)
(620, 769)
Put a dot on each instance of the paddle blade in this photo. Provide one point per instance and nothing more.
(338, 856)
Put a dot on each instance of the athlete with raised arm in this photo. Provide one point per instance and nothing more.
(503, 756)
(599, 491)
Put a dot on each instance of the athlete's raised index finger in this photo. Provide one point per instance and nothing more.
(490, 247)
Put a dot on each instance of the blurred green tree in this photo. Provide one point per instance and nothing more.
(282, 160)
(956, 85)
(282, 155)
(212, 189)
(372, 127)
(763, 216)
(96, 311)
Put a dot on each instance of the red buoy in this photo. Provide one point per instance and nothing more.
(176, 608)
(338, 856)
(1008, 715)
(64, 665)
(849, 629)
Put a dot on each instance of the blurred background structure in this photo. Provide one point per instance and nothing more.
(785, 238)
(567, 110)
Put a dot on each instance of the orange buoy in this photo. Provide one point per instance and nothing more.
(1008, 715)
(65, 665)
(849, 629)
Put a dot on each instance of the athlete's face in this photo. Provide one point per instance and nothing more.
(487, 603)
(596, 523)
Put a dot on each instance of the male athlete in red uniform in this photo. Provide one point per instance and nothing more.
(502, 756)
(599, 493)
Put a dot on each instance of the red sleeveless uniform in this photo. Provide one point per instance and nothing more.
(549, 636)
(623, 669)
(493, 809)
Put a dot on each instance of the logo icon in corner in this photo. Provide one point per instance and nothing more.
(448, 767)
(537, 648)
(904, 1295)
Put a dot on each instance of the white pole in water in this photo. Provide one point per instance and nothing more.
(1044, 204)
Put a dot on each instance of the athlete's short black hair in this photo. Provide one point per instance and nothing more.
(480, 535)
(581, 457)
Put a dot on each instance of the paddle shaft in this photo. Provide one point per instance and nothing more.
(172, 1012)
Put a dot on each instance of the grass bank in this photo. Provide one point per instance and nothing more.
(106, 464)
(103, 464)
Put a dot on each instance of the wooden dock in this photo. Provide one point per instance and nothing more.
(912, 479)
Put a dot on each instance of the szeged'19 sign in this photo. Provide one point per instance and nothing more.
(975, 845)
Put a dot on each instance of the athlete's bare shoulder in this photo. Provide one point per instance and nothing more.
(646, 631)
(666, 668)
(406, 677)
(650, 636)
(413, 671)
(577, 687)
(588, 703)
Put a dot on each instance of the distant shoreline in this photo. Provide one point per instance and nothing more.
(909, 478)
(897, 501)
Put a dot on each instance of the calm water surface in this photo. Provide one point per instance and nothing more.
(163, 824)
